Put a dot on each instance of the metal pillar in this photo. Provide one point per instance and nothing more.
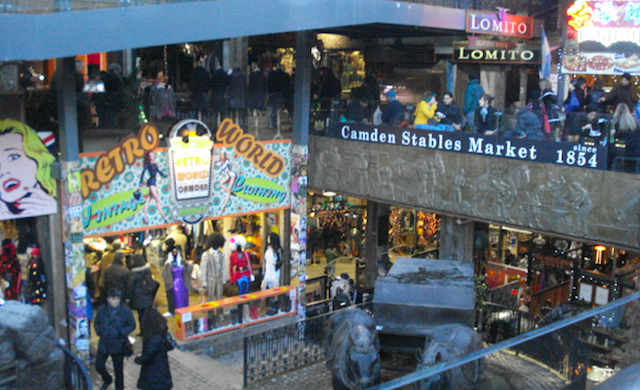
(377, 240)
(302, 91)
(69, 147)
(456, 239)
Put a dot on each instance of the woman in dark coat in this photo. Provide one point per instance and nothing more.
(154, 374)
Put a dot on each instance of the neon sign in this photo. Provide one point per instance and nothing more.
(588, 14)
(581, 15)
(632, 12)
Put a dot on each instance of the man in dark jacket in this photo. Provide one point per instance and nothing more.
(529, 125)
(472, 95)
(116, 277)
(393, 114)
(142, 288)
(112, 324)
(622, 93)
(587, 124)
(451, 111)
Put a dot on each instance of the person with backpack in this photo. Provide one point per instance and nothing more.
(155, 373)
(142, 288)
(551, 108)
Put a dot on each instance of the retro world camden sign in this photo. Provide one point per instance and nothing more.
(499, 23)
(496, 52)
(592, 157)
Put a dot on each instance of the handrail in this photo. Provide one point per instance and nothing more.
(76, 373)
(512, 342)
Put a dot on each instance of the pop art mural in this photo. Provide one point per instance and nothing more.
(26, 186)
(137, 185)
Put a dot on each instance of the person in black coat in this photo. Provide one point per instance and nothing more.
(451, 111)
(257, 90)
(112, 324)
(485, 121)
(116, 277)
(154, 373)
(142, 288)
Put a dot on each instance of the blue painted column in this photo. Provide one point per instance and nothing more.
(302, 92)
(296, 219)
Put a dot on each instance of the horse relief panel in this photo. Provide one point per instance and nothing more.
(599, 205)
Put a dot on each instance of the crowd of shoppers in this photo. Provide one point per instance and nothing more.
(584, 115)
(128, 285)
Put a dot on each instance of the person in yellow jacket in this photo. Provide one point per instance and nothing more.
(425, 114)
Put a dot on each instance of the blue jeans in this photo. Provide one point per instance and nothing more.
(470, 119)
(243, 285)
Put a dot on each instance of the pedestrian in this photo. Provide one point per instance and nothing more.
(116, 277)
(425, 114)
(142, 288)
(112, 324)
(393, 114)
(472, 95)
(155, 373)
(621, 93)
(486, 120)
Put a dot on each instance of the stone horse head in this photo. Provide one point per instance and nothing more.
(445, 343)
(353, 357)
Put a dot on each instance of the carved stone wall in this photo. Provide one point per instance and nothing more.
(589, 205)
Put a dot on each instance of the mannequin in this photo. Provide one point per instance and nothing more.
(273, 257)
(173, 273)
(179, 238)
(212, 267)
(10, 270)
(240, 265)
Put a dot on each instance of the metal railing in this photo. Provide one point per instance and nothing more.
(76, 375)
(286, 348)
(557, 351)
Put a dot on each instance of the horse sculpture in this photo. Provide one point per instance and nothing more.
(353, 350)
(496, 193)
(444, 343)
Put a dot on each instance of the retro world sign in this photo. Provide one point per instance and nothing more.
(137, 185)
(190, 152)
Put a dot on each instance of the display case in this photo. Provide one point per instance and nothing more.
(235, 312)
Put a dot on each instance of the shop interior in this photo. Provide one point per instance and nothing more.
(191, 241)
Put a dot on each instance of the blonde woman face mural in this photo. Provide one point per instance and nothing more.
(26, 186)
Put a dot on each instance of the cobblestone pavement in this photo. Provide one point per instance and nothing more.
(312, 377)
(188, 372)
(502, 371)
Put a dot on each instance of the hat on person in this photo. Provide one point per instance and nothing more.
(238, 241)
(344, 276)
(391, 93)
(626, 76)
(114, 293)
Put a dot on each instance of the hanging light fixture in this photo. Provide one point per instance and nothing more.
(599, 249)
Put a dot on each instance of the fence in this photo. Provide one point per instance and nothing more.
(555, 356)
(283, 349)
(76, 375)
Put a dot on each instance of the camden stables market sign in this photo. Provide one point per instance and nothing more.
(499, 23)
(592, 157)
(496, 52)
